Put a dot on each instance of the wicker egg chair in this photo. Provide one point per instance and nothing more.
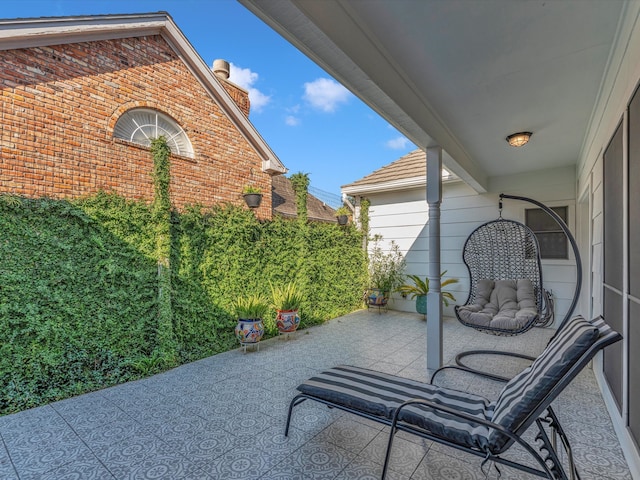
(498, 251)
(505, 250)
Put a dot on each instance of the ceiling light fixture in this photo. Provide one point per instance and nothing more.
(519, 139)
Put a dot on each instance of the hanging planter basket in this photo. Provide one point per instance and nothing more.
(343, 219)
(252, 199)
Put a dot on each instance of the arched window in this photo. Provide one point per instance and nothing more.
(141, 125)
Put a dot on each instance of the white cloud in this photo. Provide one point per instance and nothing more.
(258, 99)
(245, 78)
(292, 121)
(325, 94)
(398, 143)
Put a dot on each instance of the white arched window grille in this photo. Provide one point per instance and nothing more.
(141, 125)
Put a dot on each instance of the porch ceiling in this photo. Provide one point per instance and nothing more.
(464, 74)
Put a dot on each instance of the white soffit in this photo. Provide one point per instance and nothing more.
(464, 74)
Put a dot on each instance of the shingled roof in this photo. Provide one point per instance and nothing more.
(284, 202)
(408, 171)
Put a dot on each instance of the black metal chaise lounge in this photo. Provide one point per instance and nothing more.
(467, 421)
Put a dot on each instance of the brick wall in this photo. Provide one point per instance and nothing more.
(240, 96)
(59, 105)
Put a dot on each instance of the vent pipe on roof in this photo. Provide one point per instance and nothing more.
(221, 68)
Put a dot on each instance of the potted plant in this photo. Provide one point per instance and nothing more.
(250, 310)
(342, 214)
(420, 288)
(386, 272)
(252, 195)
(287, 300)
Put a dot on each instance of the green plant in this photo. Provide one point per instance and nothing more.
(161, 210)
(300, 183)
(251, 307)
(287, 297)
(365, 204)
(342, 211)
(79, 297)
(421, 287)
(251, 189)
(386, 268)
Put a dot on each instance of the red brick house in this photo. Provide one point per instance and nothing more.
(80, 97)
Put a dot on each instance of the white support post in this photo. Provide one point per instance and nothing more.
(434, 297)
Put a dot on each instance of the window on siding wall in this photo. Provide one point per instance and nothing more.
(553, 242)
(141, 125)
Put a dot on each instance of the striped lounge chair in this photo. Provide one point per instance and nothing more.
(467, 421)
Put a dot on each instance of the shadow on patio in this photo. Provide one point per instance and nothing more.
(223, 417)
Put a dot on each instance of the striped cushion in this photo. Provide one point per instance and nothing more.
(379, 394)
(525, 392)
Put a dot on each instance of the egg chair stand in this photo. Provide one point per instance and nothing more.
(504, 254)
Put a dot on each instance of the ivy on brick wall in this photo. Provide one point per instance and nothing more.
(365, 204)
(79, 298)
(161, 212)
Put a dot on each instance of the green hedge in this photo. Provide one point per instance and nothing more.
(79, 287)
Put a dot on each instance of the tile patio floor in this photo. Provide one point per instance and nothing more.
(223, 417)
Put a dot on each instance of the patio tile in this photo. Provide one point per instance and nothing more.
(277, 407)
(282, 471)
(224, 416)
(312, 418)
(249, 423)
(118, 457)
(204, 444)
(348, 434)
(37, 454)
(7, 471)
(386, 367)
(365, 469)
(600, 463)
(162, 466)
(160, 414)
(89, 411)
(111, 433)
(242, 462)
(437, 465)
(84, 467)
(178, 428)
(272, 440)
(319, 459)
(27, 422)
(132, 396)
(405, 455)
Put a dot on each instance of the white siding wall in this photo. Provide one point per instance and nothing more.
(402, 217)
(618, 87)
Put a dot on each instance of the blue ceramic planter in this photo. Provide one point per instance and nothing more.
(421, 304)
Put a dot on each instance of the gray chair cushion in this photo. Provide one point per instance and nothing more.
(527, 390)
(501, 304)
(379, 394)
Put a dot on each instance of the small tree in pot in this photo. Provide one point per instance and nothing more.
(386, 272)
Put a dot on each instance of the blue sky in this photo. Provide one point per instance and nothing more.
(310, 121)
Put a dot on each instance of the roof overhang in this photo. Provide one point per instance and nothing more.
(39, 32)
(464, 74)
(410, 183)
